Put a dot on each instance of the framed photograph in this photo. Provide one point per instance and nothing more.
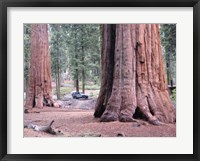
(109, 80)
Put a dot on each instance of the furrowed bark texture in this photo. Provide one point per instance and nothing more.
(39, 85)
(107, 65)
(136, 77)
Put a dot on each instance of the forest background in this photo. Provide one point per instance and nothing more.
(75, 51)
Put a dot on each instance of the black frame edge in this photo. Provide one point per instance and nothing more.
(101, 3)
(3, 81)
(196, 77)
(1, 112)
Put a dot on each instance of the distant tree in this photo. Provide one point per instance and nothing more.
(73, 59)
(168, 41)
(39, 85)
(58, 54)
(133, 75)
(27, 44)
(83, 58)
(94, 50)
(83, 47)
(90, 52)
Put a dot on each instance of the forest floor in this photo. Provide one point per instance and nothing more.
(77, 120)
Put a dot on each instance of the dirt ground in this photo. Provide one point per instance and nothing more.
(75, 122)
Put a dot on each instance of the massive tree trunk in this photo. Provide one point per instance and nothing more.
(39, 85)
(133, 77)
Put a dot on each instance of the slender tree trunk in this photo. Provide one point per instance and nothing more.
(170, 70)
(83, 62)
(133, 75)
(76, 70)
(167, 65)
(26, 89)
(58, 92)
(39, 85)
(58, 70)
(56, 84)
(25, 84)
(83, 80)
(77, 81)
(58, 78)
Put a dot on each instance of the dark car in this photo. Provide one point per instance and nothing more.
(77, 95)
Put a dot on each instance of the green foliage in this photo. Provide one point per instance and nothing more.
(27, 46)
(173, 95)
(63, 91)
(94, 94)
(168, 41)
(58, 53)
(168, 38)
(92, 87)
(83, 47)
(57, 49)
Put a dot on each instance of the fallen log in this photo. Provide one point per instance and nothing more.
(47, 128)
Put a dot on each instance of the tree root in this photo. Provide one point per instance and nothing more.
(31, 110)
(124, 118)
(109, 116)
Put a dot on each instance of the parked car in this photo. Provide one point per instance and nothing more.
(77, 95)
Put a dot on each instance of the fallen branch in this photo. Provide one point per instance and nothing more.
(47, 129)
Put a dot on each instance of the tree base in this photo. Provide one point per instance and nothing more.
(40, 102)
(133, 75)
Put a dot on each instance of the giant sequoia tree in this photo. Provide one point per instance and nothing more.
(39, 84)
(133, 75)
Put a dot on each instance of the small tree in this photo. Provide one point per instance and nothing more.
(58, 54)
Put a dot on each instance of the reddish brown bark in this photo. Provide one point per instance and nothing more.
(136, 78)
(107, 65)
(39, 85)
